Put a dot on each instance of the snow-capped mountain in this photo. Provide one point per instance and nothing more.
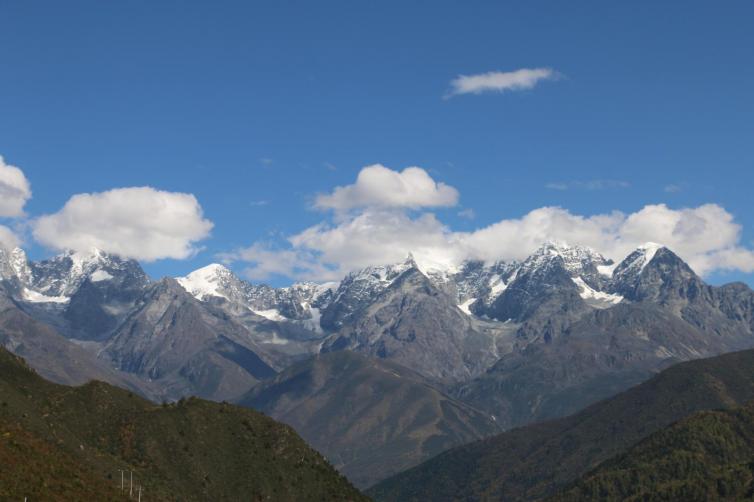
(63, 275)
(409, 319)
(555, 272)
(581, 261)
(635, 263)
(298, 302)
(58, 279)
(648, 271)
(359, 288)
(448, 323)
(14, 265)
(476, 281)
(504, 290)
(214, 280)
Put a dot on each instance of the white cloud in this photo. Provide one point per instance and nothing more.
(381, 187)
(8, 239)
(707, 237)
(500, 81)
(328, 251)
(266, 260)
(141, 223)
(15, 190)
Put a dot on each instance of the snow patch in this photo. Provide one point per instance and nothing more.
(497, 286)
(100, 275)
(271, 314)
(276, 340)
(34, 297)
(606, 270)
(465, 306)
(587, 293)
(312, 323)
(650, 250)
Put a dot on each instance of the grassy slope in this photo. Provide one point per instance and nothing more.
(38, 469)
(72, 441)
(535, 461)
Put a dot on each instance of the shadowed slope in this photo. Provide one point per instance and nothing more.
(370, 417)
(533, 461)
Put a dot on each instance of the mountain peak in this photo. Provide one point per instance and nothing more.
(654, 272)
(576, 260)
(207, 281)
(636, 262)
(650, 249)
(554, 246)
(568, 251)
(408, 262)
(211, 269)
(93, 253)
(83, 262)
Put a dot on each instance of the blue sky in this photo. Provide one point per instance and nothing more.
(255, 108)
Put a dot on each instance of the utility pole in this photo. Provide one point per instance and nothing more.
(131, 487)
(139, 493)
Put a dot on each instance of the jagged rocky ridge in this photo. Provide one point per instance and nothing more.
(451, 326)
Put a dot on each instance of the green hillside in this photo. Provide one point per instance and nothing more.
(69, 443)
(708, 456)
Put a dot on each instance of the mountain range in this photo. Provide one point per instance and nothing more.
(484, 346)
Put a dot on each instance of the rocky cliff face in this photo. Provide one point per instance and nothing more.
(418, 325)
(185, 347)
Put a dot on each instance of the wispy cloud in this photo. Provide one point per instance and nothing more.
(673, 188)
(257, 203)
(467, 213)
(266, 162)
(500, 81)
(588, 185)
